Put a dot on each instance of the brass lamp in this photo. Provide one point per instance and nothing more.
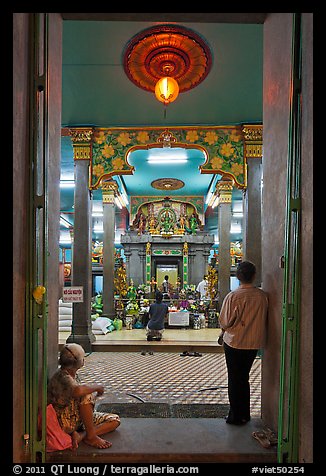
(166, 88)
(167, 60)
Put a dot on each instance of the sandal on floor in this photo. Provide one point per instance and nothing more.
(271, 437)
(262, 438)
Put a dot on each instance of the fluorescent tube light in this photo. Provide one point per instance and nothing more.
(167, 161)
(67, 184)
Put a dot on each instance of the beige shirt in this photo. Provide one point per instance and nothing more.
(244, 317)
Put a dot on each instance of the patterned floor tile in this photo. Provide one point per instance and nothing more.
(165, 378)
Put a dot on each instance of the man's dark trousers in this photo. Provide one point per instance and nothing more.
(239, 363)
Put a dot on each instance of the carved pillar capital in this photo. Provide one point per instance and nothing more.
(109, 191)
(82, 142)
(224, 189)
(253, 140)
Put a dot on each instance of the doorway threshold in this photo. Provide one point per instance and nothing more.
(174, 440)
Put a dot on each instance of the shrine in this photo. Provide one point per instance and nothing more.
(166, 237)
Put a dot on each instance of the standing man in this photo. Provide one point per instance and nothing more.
(166, 285)
(202, 288)
(243, 320)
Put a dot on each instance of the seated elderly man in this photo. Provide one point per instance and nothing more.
(74, 402)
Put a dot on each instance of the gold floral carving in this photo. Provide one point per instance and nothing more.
(253, 139)
(253, 133)
(109, 190)
(81, 141)
(81, 135)
(224, 190)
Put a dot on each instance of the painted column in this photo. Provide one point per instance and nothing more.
(224, 192)
(82, 269)
(252, 199)
(109, 190)
(185, 264)
(148, 262)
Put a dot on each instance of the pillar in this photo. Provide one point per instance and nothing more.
(82, 269)
(252, 198)
(109, 190)
(71, 232)
(224, 192)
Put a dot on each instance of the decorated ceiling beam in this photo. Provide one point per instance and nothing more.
(226, 148)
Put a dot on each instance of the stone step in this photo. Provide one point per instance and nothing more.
(175, 440)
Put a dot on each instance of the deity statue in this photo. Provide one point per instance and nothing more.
(167, 222)
(193, 224)
(151, 224)
(182, 222)
(141, 224)
(132, 291)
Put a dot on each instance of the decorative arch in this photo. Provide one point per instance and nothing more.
(223, 147)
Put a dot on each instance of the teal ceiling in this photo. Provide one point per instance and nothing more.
(97, 92)
(146, 165)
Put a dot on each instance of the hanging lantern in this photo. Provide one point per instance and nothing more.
(166, 90)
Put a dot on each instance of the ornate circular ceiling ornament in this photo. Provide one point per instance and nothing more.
(163, 50)
(167, 184)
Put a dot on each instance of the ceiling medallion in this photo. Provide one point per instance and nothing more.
(167, 184)
(163, 50)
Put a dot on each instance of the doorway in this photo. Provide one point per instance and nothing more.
(272, 373)
(170, 270)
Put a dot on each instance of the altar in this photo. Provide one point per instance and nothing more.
(145, 255)
(166, 237)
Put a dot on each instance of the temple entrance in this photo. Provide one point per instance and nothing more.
(167, 269)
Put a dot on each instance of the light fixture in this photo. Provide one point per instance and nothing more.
(216, 201)
(167, 156)
(166, 60)
(235, 228)
(118, 202)
(67, 183)
(159, 161)
(65, 238)
(167, 88)
(65, 222)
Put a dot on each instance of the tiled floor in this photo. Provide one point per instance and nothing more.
(165, 378)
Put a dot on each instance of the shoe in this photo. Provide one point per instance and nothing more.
(262, 438)
(184, 353)
(149, 338)
(271, 436)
